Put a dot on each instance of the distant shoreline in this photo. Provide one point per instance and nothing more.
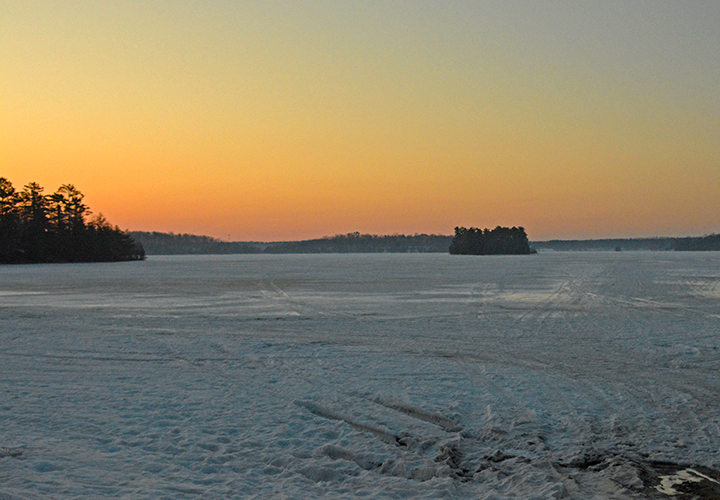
(158, 243)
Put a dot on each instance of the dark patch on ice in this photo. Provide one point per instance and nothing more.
(669, 480)
(450, 454)
(45, 466)
(499, 456)
(653, 480)
(584, 460)
(7, 496)
(209, 446)
(11, 452)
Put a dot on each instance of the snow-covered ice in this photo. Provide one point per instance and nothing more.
(558, 375)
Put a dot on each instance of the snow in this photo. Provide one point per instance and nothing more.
(557, 375)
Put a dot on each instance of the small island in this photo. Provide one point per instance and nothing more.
(498, 241)
(38, 228)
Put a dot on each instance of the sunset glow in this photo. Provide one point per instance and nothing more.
(291, 120)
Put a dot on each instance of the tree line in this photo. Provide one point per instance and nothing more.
(157, 243)
(365, 243)
(40, 228)
(708, 243)
(169, 243)
(498, 241)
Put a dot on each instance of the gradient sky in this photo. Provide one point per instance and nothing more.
(276, 120)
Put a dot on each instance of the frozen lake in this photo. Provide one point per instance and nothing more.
(558, 375)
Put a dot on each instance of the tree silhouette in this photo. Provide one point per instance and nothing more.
(499, 241)
(52, 228)
(34, 222)
(9, 218)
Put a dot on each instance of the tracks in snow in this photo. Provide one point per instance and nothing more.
(324, 412)
(417, 457)
(441, 421)
(469, 458)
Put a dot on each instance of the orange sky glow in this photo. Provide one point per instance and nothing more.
(275, 121)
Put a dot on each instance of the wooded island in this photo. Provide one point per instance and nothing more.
(498, 241)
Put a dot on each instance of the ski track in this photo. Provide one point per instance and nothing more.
(423, 376)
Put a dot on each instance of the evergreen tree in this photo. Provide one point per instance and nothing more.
(53, 228)
(499, 241)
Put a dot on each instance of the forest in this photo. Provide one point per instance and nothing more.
(498, 241)
(169, 243)
(365, 243)
(54, 228)
(158, 243)
(708, 243)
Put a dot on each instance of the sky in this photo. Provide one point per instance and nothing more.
(281, 120)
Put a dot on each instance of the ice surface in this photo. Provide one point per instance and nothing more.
(558, 375)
